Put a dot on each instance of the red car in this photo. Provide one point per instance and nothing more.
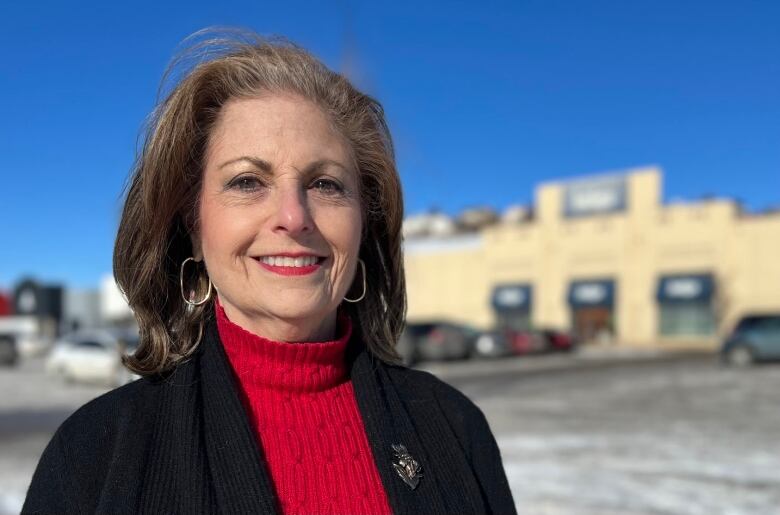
(558, 341)
(539, 341)
(525, 342)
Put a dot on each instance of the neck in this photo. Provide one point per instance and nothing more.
(261, 363)
(282, 329)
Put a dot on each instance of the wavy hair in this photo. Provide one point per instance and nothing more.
(160, 208)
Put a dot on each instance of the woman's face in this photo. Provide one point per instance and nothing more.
(280, 217)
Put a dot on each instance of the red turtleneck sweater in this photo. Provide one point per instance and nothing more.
(304, 413)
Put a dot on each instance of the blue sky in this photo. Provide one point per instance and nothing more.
(485, 100)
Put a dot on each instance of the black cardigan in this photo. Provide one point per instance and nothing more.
(184, 444)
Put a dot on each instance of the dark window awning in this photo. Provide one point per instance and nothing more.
(592, 293)
(685, 288)
(512, 296)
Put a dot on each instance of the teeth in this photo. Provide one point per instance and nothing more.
(288, 261)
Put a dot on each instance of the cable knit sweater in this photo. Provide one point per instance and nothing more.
(303, 410)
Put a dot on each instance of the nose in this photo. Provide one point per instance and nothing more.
(292, 214)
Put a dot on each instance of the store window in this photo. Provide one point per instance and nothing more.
(512, 304)
(686, 305)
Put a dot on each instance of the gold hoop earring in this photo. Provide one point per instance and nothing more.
(181, 285)
(363, 267)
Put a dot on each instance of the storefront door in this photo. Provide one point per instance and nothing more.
(593, 324)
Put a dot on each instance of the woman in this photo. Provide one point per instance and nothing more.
(260, 249)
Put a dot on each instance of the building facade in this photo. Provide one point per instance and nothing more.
(606, 258)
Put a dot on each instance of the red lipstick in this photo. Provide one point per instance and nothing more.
(292, 270)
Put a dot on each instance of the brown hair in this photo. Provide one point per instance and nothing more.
(160, 210)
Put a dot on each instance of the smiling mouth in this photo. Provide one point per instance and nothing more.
(289, 265)
(291, 262)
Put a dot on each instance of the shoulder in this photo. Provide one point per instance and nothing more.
(75, 463)
(420, 387)
(108, 413)
(105, 444)
(422, 384)
(124, 416)
(124, 408)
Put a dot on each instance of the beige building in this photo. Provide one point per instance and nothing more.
(606, 258)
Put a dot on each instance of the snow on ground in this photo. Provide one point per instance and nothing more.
(639, 474)
(16, 470)
(687, 439)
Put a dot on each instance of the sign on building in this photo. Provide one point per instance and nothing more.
(686, 288)
(592, 293)
(594, 196)
(512, 296)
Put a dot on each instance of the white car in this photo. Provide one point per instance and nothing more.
(93, 356)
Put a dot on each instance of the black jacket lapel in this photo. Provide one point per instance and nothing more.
(237, 469)
(174, 480)
(387, 423)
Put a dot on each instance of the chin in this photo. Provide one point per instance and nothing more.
(300, 310)
(294, 315)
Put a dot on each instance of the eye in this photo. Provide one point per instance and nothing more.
(327, 187)
(246, 184)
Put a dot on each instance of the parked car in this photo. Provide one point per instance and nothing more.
(92, 356)
(522, 342)
(504, 342)
(557, 341)
(755, 338)
(512, 342)
(492, 344)
(9, 354)
(436, 340)
(407, 347)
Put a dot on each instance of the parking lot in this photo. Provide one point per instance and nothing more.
(677, 436)
(581, 434)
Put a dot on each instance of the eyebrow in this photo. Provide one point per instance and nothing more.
(256, 161)
(265, 166)
(322, 163)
